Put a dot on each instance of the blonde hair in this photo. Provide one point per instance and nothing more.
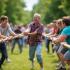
(37, 15)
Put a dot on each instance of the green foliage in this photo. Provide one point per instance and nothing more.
(27, 17)
(41, 7)
(14, 9)
(2, 7)
(49, 9)
(66, 6)
(55, 11)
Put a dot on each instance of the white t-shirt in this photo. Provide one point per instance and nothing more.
(6, 31)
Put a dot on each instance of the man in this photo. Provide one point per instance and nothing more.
(35, 40)
(18, 41)
(5, 29)
(64, 36)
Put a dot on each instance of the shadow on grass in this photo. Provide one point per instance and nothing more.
(32, 69)
(15, 53)
(55, 61)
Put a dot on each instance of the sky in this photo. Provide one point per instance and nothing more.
(30, 4)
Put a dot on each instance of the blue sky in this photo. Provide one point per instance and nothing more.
(30, 4)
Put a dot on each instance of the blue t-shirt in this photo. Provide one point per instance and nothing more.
(66, 31)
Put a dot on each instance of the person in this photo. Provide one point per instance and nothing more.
(34, 33)
(23, 28)
(64, 36)
(19, 41)
(60, 50)
(4, 30)
(47, 39)
(53, 32)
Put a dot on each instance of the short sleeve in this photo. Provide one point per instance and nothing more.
(9, 29)
(66, 31)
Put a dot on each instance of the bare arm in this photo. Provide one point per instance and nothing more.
(59, 39)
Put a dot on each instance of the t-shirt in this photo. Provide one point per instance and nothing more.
(6, 31)
(59, 31)
(17, 31)
(66, 31)
(46, 30)
(34, 39)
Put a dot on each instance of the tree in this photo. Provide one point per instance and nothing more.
(49, 9)
(14, 10)
(2, 7)
(66, 6)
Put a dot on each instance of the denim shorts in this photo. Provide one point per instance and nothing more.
(56, 47)
(67, 55)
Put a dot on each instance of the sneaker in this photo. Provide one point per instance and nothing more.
(34, 59)
(59, 64)
(8, 60)
(42, 68)
(61, 68)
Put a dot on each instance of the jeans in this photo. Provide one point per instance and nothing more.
(19, 42)
(47, 44)
(35, 49)
(3, 52)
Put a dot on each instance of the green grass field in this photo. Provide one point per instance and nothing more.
(21, 62)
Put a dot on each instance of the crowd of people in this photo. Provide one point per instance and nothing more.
(60, 38)
(56, 33)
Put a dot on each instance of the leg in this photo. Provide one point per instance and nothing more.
(13, 45)
(52, 47)
(20, 45)
(67, 57)
(47, 44)
(3, 52)
(61, 53)
(39, 56)
(32, 54)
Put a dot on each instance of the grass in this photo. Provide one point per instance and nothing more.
(21, 62)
